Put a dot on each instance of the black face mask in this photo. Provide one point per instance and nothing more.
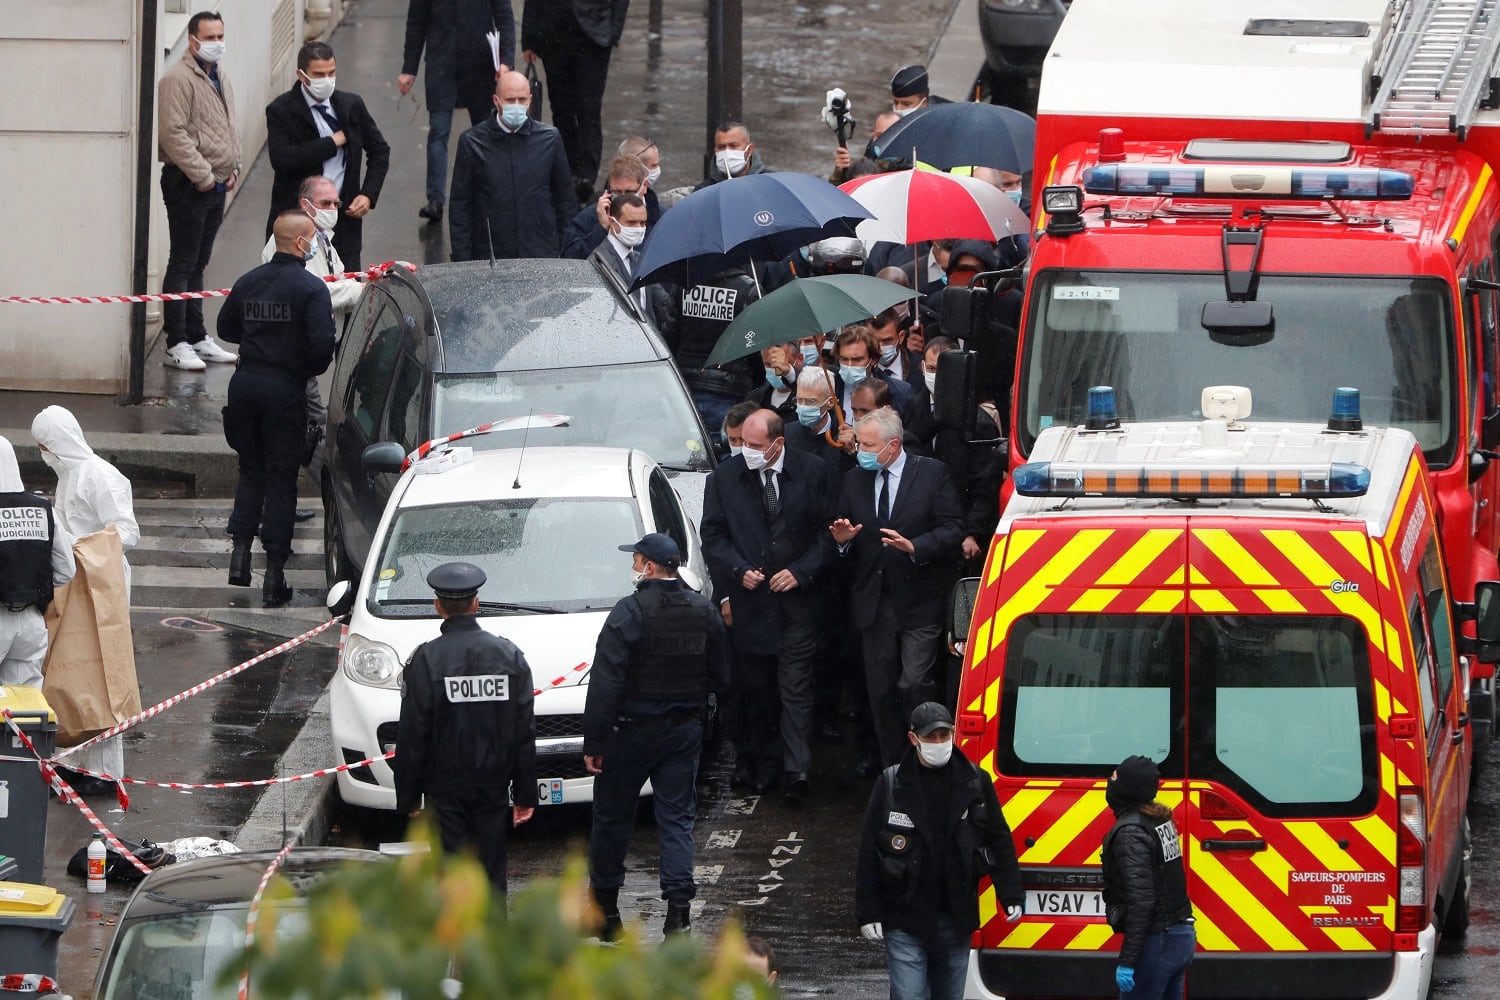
(1117, 803)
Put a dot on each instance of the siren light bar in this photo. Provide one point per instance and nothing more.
(1251, 181)
(1218, 481)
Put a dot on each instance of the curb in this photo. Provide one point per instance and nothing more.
(301, 811)
(203, 464)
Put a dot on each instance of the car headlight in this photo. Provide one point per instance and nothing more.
(371, 663)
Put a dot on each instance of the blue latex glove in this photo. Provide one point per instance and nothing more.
(1124, 978)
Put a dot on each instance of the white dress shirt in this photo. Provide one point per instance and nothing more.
(333, 168)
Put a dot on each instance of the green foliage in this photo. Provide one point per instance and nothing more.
(374, 928)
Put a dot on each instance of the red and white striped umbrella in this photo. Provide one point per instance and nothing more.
(911, 206)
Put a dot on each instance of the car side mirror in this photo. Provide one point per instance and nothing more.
(961, 310)
(340, 599)
(956, 398)
(387, 456)
(1487, 620)
(961, 612)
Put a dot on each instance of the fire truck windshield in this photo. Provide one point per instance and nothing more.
(1142, 333)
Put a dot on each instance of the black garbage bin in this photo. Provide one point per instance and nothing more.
(23, 790)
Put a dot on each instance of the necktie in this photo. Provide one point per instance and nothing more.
(633, 263)
(883, 508)
(333, 123)
(773, 505)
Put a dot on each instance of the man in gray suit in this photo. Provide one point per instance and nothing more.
(621, 251)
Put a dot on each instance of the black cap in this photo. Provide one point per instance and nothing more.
(1136, 780)
(909, 81)
(455, 581)
(658, 548)
(929, 716)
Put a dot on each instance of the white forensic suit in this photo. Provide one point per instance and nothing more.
(23, 631)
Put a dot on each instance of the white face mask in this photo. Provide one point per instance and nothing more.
(902, 112)
(631, 236)
(325, 218)
(51, 460)
(930, 378)
(736, 449)
(653, 174)
(730, 161)
(935, 754)
(210, 52)
(755, 460)
(320, 89)
(636, 576)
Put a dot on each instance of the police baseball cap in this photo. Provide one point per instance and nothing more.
(455, 581)
(909, 81)
(658, 548)
(929, 716)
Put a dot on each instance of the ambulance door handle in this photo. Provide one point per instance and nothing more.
(1257, 844)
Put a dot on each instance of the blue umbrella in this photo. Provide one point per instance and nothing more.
(759, 217)
(966, 134)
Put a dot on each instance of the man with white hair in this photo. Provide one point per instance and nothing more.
(901, 524)
(36, 555)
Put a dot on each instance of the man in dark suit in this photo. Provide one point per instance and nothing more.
(461, 72)
(764, 514)
(314, 129)
(573, 39)
(901, 524)
(620, 251)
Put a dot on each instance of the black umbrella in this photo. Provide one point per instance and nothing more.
(967, 134)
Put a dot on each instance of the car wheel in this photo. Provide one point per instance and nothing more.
(1456, 919)
(336, 564)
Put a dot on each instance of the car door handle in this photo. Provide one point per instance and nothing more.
(1458, 736)
(1258, 844)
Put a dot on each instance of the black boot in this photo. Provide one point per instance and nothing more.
(274, 591)
(239, 564)
(608, 901)
(679, 917)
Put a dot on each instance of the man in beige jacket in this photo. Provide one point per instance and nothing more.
(199, 148)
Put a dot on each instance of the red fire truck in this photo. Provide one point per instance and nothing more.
(1295, 203)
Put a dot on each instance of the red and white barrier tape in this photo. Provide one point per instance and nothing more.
(254, 914)
(186, 786)
(503, 424)
(33, 982)
(157, 709)
(212, 293)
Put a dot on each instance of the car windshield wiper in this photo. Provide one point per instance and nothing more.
(532, 609)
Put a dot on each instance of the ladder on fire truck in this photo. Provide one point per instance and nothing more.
(1437, 67)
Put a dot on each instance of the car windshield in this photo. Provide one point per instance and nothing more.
(181, 957)
(538, 555)
(1142, 333)
(625, 406)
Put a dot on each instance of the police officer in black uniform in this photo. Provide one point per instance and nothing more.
(467, 736)
(1145, 886)
(660, 655)
(282, 318)
(704, 309)
(36, 554)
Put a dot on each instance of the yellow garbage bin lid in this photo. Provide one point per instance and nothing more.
(27, 900)
(20, 698)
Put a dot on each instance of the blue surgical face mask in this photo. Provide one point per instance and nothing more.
(868, 460)
(888, 354)
(1014, 195)
(776, 381)
(809, 354)
(513, 115)
(809, 416)
(852, 376)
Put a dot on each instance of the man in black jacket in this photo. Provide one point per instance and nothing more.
(900, 523)
(1145, 886)
(467, 732)
(461, 72)
(764, 512)
(511, 193)
(932, 829)
(315, 129)
(573, 39)
(282, 318)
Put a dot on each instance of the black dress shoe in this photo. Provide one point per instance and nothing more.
(303, 516)
(797, 786)
(432, 211)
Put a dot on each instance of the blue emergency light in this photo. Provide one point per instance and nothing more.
(1251, 181)
(1345, 413)
(1217, 481)
(1102, 414)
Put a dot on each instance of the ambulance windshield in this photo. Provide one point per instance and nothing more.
(1143, 334)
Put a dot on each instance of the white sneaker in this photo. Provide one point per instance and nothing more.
(209, 350)
(183, 356)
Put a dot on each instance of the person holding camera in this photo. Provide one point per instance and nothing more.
(845, 167)
(1145, 886)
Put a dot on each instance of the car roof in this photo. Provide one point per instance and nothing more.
(523, 315)
(229, 879)
(570, 471)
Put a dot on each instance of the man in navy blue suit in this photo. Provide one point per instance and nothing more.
(900, 522)
(765, 512)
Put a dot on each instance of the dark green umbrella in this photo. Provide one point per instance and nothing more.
(804, 307)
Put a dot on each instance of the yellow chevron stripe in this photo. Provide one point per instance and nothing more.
(981, 643)
(1281, 602)
(1380, 835)
(1403, 499)
(1317, 571)
(1092, 937)
(1246, 568)
(1356, 544)
(1025, 934)
(1212, 601)
(1140, 555)
(988, 908)
(1210, 938)
(1021, 541)
(1064, 830)
(1382, 701)
(1023, 803)
(1323, 847)
(992, 700)
(1218, 880)
(1094, 600)
(1382, 571)
(1472, 205)
(1347, 938)
(1274, 865)
(1028, 596)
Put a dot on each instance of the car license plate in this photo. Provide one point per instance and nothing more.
(549, 792)
(1063, 903)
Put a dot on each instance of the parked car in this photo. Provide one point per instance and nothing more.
(452, 346)
(1016, 36)
(185, 923)
(545, 524)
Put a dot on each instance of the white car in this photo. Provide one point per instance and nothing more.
(545, 525)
